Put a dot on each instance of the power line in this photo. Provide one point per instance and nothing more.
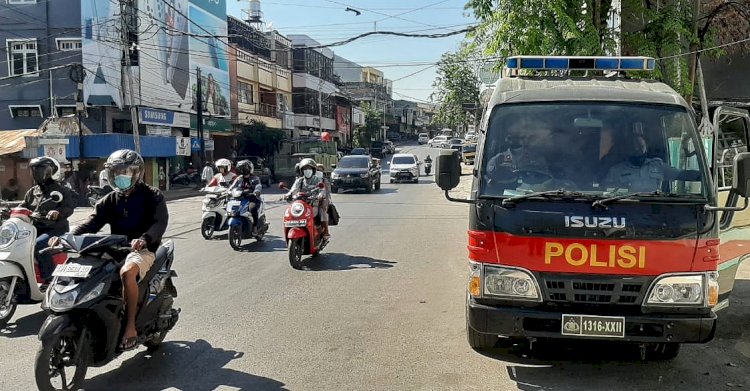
(379, 13)
(414, 10)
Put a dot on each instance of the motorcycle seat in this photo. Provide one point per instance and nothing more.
(159, 261)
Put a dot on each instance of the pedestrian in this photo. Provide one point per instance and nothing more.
(208, 174)
(10, 192)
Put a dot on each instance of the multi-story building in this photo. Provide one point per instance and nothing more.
(314, 87)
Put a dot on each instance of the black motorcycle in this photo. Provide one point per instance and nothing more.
(86, 318)
(427, 166)
(96, 193)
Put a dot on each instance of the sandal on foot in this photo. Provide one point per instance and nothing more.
(129, 344)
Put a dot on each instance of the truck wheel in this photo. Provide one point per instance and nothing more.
(368, 188)
(479, 341)
(662, 351)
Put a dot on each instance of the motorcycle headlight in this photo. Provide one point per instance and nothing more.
(684, 290)
(8, 234)
(297, 209)
(237, 193)
(61, 301)
(510, 283)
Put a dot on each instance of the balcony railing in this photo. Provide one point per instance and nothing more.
(267, 110)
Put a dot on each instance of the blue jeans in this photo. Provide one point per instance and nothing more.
(45, 260)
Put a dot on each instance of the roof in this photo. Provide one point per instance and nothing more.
(13, 141)
(545, 89)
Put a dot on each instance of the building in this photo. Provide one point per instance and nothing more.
(313, 88)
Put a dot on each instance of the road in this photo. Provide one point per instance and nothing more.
(381, 309)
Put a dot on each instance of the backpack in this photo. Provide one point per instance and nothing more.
(333, 215)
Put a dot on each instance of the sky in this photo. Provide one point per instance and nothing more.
(328, 21)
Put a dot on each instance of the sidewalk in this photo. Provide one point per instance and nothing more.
(463, 190)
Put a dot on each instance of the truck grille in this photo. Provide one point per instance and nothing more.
(576, 289)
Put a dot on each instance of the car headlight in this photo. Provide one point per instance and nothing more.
(364, 175)
(8, 234)
(684, 290)
(297, 209)
(510, 283)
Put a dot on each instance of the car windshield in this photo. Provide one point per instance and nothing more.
(403, 160)
(358, 151)
(600, 149)
(456, 141)
(353, 162)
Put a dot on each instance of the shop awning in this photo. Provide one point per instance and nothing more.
(14, 141)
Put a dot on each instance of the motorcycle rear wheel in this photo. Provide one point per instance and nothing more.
(55, 354)
(295, 253)
(207, 228)
(154, 343)
(235, 237)
(6, 313)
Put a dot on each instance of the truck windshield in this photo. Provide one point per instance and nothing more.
(596, 148)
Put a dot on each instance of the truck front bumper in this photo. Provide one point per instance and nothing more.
(515, 322)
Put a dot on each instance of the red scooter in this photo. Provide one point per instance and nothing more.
(302, 229)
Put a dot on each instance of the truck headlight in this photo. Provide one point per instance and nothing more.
(684, 290)
(475, 279)
(509, 282)
(364, 175)
(8, 234)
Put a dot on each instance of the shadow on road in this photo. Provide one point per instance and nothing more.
(26, 326)
(269, 244)
(386, 190)
(337, 261)
(184, 366)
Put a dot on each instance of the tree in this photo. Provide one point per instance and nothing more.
(457, 90)
(257, 139)
(668, 30)
(371, 129)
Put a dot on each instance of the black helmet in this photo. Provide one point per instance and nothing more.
(245, 167)
(124, 169)
(43, 169)
(297, 170)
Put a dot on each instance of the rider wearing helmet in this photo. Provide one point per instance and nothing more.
(40, 200)
(307, 183)
(135, 210)
(248, 182)
(225, 176)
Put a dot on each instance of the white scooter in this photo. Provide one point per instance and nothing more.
(214, 217)
(20, 277)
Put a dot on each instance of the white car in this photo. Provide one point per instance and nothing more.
(423, 138)
(437, 142)
(405, 167)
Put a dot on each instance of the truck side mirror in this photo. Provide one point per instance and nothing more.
(741, 177)
(448, 169)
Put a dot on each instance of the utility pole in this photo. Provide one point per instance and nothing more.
(78, 74)
(199, 116)
(693, 49)
(320, 99)
(125, 13)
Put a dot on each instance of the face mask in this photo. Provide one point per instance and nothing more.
(307, 173)
(123, 182)
(319, 174)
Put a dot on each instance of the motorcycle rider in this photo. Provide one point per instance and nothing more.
(306, 184)
(225, 176)
(38, 199)
(137, 211)
(247, 181)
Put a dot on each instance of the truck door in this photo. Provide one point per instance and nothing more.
(731, 137)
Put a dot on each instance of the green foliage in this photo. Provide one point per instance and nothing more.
(257, 139)
(371, 129)
(456, 84)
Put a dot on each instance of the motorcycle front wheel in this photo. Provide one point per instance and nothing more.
(295, 253)
(58, 353)
(6, 312)
(235, 236)
(207, 228)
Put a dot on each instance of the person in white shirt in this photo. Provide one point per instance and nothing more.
(225, 177)
(208, 173)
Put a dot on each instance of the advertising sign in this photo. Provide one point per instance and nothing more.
(164, 59)
(208, 51)
(101, 53)
(183, 146)
(149, 116)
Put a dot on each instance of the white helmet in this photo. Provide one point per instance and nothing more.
(224, 163)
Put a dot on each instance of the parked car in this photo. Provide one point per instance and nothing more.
(405, 167)
(437, 141)
(423, 138)
(377, 149)
(454, 143)
(358, 152)
(356, 172)
(468, 152)
(389, 148)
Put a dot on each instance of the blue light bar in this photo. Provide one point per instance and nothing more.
(598, 63)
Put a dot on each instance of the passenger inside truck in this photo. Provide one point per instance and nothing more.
(596, 148)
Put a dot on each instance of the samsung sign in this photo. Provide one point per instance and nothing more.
(148, 116)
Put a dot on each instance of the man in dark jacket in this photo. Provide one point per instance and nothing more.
(53, 203)
(137, 211)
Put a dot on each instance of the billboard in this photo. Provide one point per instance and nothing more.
(164, 58)
(208, 51)
(101, 53)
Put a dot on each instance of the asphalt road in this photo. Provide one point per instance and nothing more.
(381, 309)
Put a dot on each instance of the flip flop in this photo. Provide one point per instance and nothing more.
(129, 344)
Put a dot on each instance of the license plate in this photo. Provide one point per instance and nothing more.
(72, 270)
(296, 223)
(233, 204)
(593, 326)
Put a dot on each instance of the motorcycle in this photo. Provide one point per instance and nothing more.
(215, 218)
(86, 318)
(241, 224)
(302, 230)
(427, 167)
(96, 193)
(20, 277)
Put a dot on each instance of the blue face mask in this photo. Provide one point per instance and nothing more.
(123, 182)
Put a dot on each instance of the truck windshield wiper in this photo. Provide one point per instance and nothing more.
(545, 194)
(632, 196)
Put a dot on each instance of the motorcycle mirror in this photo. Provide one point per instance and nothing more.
(56, 196)
(282, 186)
(321, 185)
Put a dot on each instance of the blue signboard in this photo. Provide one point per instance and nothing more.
(195, 144)
(156, 117)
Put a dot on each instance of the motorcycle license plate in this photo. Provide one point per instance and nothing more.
(593, 326)
(72, 270)
(295, 223)
(233, 204)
